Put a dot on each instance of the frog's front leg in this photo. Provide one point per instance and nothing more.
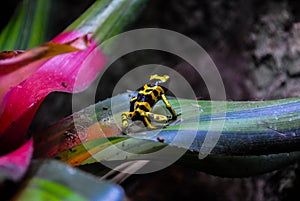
(169, 107)
(125, 116)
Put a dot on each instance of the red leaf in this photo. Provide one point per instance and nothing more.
(14, 66)
(56, 74)
(14, 165)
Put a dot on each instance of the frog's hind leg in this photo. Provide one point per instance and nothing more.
(148, 116)
(147, 123)
(157, 117)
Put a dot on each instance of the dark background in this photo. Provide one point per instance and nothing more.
(255, 45)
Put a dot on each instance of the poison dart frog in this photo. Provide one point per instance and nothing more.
(142, 104)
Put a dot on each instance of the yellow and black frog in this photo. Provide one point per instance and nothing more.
(142, 104)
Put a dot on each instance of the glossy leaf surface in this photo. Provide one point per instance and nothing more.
(257, 137)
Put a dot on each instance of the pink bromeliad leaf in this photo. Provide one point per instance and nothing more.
(14, 68)
(26, 78)
(58, 73)
(14, 164)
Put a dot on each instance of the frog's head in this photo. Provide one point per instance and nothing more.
(159, 79)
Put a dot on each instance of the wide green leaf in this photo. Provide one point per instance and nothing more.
(257, 136)
(52, 181)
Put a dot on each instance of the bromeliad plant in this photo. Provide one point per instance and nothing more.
(257, 137)
(28, 76)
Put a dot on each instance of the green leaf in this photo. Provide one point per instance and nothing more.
(106, 18)
(52, 180)
(27, 28)
(257, 137)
